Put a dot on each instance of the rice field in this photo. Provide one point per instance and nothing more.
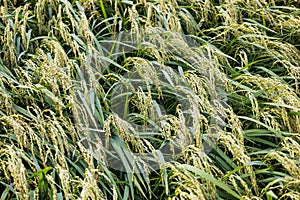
(156, 99)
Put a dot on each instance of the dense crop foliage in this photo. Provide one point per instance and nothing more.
(249, 49)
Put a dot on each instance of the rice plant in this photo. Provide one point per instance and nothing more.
(149, 99)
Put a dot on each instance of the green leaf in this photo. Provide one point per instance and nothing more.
(213, 180)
